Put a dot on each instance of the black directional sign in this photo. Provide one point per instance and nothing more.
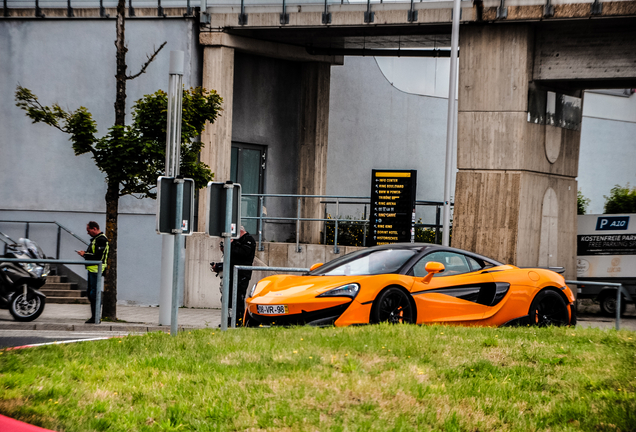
(392, 217)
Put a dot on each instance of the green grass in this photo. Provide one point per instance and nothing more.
(372, 378)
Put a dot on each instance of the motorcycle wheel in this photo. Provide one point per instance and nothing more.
(24, 309)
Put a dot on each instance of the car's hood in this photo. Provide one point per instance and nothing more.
(290, 286)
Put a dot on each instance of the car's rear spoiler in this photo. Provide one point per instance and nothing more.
(554, 269)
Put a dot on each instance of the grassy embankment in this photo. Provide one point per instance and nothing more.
(373, 378)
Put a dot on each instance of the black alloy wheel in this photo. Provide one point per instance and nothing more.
(548, 308)
(393, 305)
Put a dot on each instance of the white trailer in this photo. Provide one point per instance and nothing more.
(606, 252)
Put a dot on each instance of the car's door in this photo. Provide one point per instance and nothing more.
(461, 293)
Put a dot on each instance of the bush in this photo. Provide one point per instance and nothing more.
(351, 233)
(621, 200)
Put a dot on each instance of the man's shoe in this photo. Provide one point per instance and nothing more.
(90, 321)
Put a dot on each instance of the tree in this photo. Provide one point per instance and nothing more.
(581, 203)
(132, 156)
(621, 200)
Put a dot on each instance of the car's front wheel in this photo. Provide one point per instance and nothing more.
(548, 308)
(394, 306)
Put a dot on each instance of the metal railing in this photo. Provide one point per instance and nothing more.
(100, 285)
(60, 228)
(202, 5)
(619, 290)
(337, 200)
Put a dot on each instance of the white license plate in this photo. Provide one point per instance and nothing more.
(272, 309)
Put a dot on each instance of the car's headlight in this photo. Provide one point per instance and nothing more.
(252, 291)
(349, 290)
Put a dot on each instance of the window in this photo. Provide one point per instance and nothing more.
(454, 264)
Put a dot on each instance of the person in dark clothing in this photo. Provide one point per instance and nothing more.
(242, 252)
(97, 251)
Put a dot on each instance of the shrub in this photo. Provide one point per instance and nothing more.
(621, 200)
(581, 203)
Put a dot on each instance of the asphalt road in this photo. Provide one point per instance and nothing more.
(15, 338)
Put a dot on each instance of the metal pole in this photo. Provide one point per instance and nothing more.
(298, 225)
(451, 125)
(336, 250)
(227, 236)
(260, 224)
(618, 307)
(98, 295)
(57, 248)
(176, 268)
(173, 141)
(437, 217)
(234, 295)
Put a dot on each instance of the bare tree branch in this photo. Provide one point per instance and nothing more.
(145, 66)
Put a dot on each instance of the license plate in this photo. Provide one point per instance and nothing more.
(272, 309)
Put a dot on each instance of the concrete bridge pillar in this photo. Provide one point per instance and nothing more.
(218, 74)
(516, 186)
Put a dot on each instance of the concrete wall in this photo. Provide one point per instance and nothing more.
(608, 146)
(374, 125)
(72, 62)
(266, 112)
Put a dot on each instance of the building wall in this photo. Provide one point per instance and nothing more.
(608, 146)
(266, 112)
(72, 62)
(375, 125)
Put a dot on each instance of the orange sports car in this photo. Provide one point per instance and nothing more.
(413, 283)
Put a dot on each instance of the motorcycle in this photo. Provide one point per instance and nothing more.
(20, 282)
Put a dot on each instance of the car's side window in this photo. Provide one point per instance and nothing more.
(454, 264)
(475, 265)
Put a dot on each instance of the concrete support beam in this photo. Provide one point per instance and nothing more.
(264, 48)
(218, 74)
(312, 155)
(515, 196)
(594, 53)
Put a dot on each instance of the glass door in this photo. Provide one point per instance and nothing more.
(248, 169)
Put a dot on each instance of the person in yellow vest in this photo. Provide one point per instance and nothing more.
(97, 251)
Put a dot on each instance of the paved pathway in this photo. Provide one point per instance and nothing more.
(134, 319)
(141, 319)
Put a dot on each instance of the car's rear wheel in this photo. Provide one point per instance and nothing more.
(548, 308)
(394, 306)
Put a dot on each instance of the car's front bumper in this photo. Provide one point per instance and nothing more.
(319, 317)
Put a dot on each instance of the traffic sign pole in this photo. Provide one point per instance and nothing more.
(176, 270)
(227, 246)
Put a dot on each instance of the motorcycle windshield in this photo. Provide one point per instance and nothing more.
(31, 248)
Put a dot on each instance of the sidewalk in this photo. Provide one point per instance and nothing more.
(141, 319)
(136, 319)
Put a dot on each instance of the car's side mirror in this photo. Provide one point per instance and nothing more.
(432, 268)
(315, 266)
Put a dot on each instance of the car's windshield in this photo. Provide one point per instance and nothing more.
(367, 262)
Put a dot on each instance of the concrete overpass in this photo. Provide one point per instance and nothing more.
(523, 67)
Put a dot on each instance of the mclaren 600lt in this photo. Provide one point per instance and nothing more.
(413, 283)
